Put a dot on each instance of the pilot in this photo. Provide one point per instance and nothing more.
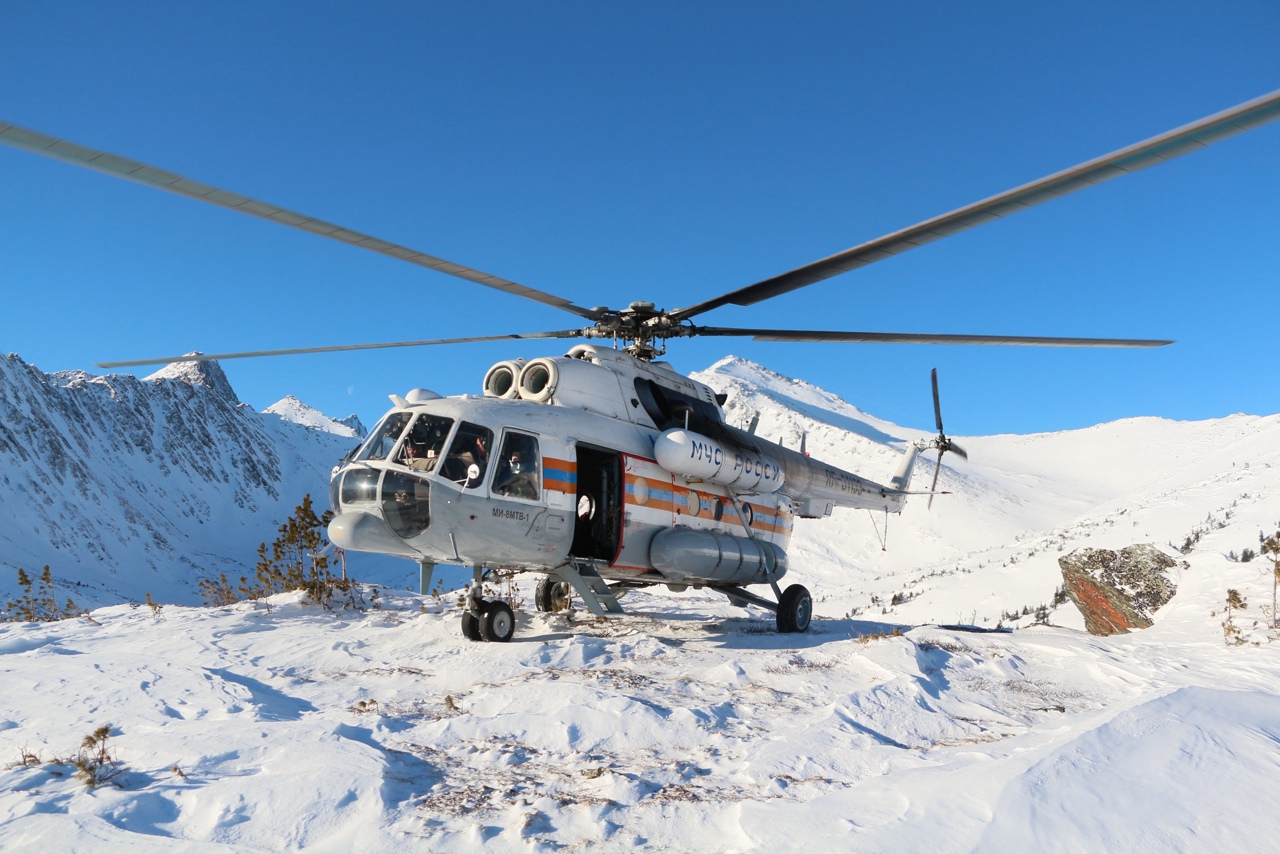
(418, 454)
(476, 452)
(436, 437)
(468, 450)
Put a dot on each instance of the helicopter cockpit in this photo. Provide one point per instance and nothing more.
(403, 497)
(391, 475)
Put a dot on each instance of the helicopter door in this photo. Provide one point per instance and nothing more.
(597, 531)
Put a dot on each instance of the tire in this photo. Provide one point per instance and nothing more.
(795, 610)
(552, 595)
(497, 622)
(470, 626)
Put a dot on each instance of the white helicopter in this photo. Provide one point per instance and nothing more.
(605, 469)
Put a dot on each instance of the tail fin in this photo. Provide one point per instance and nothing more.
(902, 477)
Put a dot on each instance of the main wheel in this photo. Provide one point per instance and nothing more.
(470, 626)
(497, 622)
(795, 610)
(552, 595)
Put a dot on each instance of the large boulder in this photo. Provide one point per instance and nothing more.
(1119, 591)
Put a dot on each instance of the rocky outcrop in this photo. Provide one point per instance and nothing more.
(1119, 591)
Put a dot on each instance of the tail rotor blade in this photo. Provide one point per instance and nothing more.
(937, 406)
(957, 450)
(937, 470)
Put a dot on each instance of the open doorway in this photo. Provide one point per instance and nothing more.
(597, 531)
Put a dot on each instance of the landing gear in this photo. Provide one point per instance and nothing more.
(484, 620)
(795, 610)
(497, 622)
(552, 595)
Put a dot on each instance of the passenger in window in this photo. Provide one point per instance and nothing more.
(518, 470)
(516, 478)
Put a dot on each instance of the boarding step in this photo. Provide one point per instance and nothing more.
(582, 576)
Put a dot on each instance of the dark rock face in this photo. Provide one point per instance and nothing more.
(1118, 591)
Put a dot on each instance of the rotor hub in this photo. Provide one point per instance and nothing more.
(642, 325)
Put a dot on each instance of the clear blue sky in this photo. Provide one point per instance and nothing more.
(660, 151)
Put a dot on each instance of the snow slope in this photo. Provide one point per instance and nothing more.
(689, 724)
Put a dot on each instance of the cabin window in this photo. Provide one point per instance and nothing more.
(383, 440)
(423, 446)
(360, 486)
(519, 468)
(471, 447)
(406, 503)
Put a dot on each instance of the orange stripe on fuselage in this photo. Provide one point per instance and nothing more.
(560, 475)
(765, 519)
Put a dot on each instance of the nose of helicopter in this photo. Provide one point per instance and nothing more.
(361, 531)
(378, 510)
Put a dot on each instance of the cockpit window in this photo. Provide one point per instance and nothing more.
(384, 438)
(470, 447)
(424, 443)
(519, 472)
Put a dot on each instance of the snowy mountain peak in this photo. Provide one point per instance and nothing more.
(207, 374)
(295, 411)
(353, 421)
(789, 408)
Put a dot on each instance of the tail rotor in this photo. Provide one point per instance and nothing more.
(942, 443)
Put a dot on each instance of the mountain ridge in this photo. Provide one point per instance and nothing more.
(163, 479)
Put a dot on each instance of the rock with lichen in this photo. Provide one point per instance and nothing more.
(1119, 591)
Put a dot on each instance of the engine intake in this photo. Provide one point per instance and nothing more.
(503, 380)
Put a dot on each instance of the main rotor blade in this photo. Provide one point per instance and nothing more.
(920, 338)
(253, 354)
(123, 167)
(1155, 150)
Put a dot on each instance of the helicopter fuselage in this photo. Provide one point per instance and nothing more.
(510, 483)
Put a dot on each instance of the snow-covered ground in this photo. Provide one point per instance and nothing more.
(689, 724)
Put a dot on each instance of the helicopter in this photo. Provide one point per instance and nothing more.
(605, 470)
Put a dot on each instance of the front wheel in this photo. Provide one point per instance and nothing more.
(795, 610)
(498, 622)
(470, 626)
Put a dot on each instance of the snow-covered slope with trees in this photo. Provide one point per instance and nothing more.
(689, 724)
(125, 486)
